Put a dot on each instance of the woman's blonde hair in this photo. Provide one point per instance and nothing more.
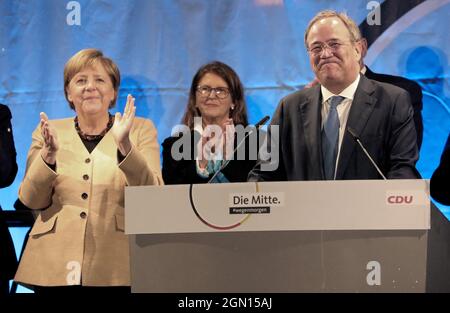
(87, 58)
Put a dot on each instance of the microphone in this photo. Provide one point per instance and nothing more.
(257, 126)
(356, 138)
(262, 122)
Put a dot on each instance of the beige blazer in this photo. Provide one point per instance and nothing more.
(78, 238)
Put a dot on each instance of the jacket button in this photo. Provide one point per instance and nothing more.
(83, 214)
(85, 177)
(84, 195)
(87, 160)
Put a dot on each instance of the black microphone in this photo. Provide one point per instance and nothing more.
(262, 122)
(356, 137)
(257, 126)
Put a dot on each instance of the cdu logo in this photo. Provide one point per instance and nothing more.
(400, 199)
(404, 197)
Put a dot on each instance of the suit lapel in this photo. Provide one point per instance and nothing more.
(309, 111)
(362, 107)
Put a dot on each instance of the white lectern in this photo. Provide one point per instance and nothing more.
(321, 236)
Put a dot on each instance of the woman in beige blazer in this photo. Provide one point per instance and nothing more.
(76, 172)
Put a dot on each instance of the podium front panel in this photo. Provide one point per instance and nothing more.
(285, 261)
(352, 241)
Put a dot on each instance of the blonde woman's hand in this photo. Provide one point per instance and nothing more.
(122, 126)
(51, 145)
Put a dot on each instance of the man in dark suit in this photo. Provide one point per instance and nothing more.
(413, 88)
(313, 141)
(8, 171)
(440, 181)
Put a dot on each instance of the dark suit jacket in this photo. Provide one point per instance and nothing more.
(440, 181)
(185, 172)
(415, 93)
(382, 116)
(8, 171)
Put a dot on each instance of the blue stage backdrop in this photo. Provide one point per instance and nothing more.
(159, 44)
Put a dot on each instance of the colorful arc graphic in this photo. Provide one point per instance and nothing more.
(218, 227)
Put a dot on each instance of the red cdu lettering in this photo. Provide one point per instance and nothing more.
(391, 199)
(408, 200)
(400, 199)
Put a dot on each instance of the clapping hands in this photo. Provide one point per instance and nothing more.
(51, 144)
(219, 143)
(122, 126)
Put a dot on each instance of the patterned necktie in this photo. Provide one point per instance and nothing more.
(330, 138)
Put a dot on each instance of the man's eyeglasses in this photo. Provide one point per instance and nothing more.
(220, 92)
(317, 48)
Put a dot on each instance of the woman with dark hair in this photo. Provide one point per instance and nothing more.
(215, 121)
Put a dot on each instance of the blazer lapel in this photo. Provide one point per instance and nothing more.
(309, 111)
(68, 137)
(107, 146)
(362, 107)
